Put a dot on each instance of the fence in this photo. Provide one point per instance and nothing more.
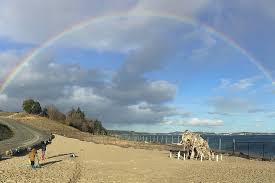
(229, 144)
(265, 150)
(160, 139)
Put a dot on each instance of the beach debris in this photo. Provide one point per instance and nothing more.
(195, 146)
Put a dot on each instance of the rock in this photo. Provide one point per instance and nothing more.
(195, 146)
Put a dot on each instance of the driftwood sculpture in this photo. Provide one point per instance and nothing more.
(195, 146)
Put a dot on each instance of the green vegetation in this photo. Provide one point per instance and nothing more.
(32, 107)
(75, 118)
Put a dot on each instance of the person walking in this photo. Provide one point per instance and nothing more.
(43, 148)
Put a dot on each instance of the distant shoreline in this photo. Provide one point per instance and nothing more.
(121, 132)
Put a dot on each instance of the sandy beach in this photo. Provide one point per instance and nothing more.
(109, 163)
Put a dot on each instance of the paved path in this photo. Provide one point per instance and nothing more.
(24, 136)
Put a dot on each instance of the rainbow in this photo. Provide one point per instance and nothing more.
(78, 26)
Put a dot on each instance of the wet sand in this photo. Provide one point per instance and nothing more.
(108, 163)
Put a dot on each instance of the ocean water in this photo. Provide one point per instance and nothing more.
(253, 145)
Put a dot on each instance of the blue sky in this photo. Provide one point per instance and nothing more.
(145, 73)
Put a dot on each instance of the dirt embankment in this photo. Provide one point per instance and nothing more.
(5, 132)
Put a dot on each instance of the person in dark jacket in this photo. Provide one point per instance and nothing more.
(43, 148)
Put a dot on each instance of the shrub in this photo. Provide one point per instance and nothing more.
(76, 119)
(55, 114)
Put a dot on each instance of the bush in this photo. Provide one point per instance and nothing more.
(96, 128)
(76, 119)
(31, 106)
(55, 114)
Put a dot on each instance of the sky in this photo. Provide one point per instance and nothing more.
(151, 66)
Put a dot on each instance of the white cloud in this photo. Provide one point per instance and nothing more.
(136, 100)
(204, 122)
(34, 22)
(259, 123)
(176, 7)
(240, 85)
(195, 122)
(8, 60)
(220, 113)
(9, 104)
(231, 104)
(3, 98)
(271, 115)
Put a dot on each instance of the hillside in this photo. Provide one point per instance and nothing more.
(58, 128)
(5, 132)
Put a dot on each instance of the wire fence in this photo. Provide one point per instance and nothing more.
(226, 144)
(159, 139)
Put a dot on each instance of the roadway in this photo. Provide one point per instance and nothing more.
(24, 136)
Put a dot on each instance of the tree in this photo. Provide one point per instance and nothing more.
(36, 108)
(96, 128)
(44, 113)
(31, 106)
(76, 118)
(27, 105)
(80, 113)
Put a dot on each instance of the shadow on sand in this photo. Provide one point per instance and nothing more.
(2, 158)
(49, 163)
(59, 155)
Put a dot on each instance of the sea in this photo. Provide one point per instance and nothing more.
(252, 145)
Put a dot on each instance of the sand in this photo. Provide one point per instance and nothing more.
(108, 163)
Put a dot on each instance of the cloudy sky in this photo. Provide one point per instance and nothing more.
(156, 66)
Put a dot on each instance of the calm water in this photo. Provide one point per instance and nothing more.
(258, 145)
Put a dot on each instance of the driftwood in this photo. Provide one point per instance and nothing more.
(195, 146)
